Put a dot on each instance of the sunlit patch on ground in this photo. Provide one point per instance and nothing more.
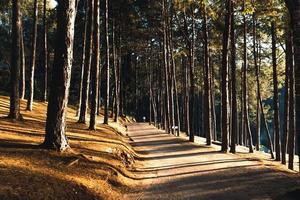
(96, 167)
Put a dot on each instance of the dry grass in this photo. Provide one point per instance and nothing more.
(96, 167)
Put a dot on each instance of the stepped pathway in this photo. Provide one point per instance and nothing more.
(173, 168)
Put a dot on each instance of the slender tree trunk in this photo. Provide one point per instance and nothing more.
(224, 88)
(167, 97)
(45, 53)
(22, 66)
(286, 96)
(292, 105)
(116, 73)
(14, 109)
(107, 92)
(207, 77)
(275, 98)
(87, 63)
(258, 109)
(233, 85)
(55, 137)
(174, 82)
(95, 66)
(192, 82)
(84, 40)
(245, 90)
(213, 106)
(33, 57)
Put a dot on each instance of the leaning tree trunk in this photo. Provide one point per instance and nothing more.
(45, 53)
(224, 70)
(233, 86)
(14, 109)
(106, 101)
(275, 98)
(95, 66)
(87, 64)
(55, 137)
(33, 57)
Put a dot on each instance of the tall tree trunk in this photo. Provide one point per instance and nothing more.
(33, 57)
(167, 91)
(45, 53)
(116, 73)
(233, 85)
(294, 111)
(14, 109)
(286, 95)
(292, 99)
(192, 81)
(275, 98)
(95, 66)
(106, 101)
(22, 66)
(213, 106)
(55, 137)
(258, 109)
(87, 63)
(224, 88)
(245, 89)
(207, 77)
(83, 57)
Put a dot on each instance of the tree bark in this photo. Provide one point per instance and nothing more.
(55, 137)
(14, 109)
(233, 85)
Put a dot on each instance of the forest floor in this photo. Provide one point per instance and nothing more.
(142, 163)
(96, 167)
(173, 168)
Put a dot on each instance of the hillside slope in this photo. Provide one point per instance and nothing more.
(96, 167)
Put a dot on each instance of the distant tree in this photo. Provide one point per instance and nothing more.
(55, 137)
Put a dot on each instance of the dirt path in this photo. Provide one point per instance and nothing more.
(173, 168)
